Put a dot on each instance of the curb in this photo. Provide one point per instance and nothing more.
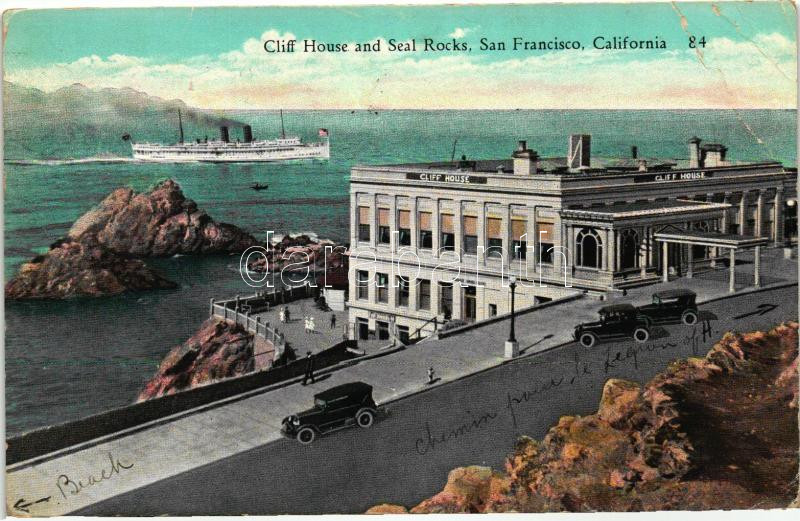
(20, 465)
(505, 361)
(499, 318)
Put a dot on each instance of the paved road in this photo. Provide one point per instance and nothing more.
(406, 457)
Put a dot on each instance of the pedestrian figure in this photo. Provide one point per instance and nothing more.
(333, 321)
(309, 369)
(286, 313)
(305, 323)
(311, 325)
(282, 315)
(431, 375)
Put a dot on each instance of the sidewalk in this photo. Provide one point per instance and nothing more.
(167, 448)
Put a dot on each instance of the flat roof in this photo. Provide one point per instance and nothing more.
(558, 166)
(644, 208)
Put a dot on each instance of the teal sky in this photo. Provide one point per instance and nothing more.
(44, 47)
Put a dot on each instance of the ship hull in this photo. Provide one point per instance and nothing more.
(232, 153)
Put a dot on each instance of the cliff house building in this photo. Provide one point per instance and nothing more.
(432, 242)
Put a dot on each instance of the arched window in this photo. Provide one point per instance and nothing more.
(629, 244)
(588, 249)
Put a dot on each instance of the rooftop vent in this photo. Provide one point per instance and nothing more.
(580, 150)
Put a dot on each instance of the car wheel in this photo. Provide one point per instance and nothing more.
(306, 435)
(365, 418)
(588, 340)
(689, 318)
(641, 334)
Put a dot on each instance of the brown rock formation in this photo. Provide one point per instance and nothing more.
(218, 350)
(161, 222)
(718, 432)
(300, 252)
(97, 257)
(73, 268)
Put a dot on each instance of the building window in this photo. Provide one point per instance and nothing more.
(519, 246)
(383, 330)
(362, 285)
(588, 249)
(545, 241)
(492, 310)
(363, 223)
(470, 234)
(384, 233)
(404, 228)
(629, 244)
(448, 237)
(494, 238)
(402, 292)
(425, 233)
(383, 287)
(446, 299)
(700, 252)
(470, 304)
(424, 295)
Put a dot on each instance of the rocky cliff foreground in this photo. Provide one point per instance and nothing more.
(99, 255)
(219, 349)
(718, 432)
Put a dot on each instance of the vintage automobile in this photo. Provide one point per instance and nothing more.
(616, 321)
(671, 306)
(335, 408)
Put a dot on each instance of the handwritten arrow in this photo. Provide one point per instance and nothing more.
(22, 506)
(762, 309)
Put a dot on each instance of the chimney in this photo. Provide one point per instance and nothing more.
(634, 152)
(695, 159)
(248, 133)
(223, 134)
(713, 154)
(526, 161)
(580, 151)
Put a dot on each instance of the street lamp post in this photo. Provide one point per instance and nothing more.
(512, 346)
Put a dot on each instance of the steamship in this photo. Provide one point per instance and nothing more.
(224, 150)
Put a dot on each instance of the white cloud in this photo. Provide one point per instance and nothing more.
(731, 74)
(459, 32)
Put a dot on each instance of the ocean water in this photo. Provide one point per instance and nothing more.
(69, 359)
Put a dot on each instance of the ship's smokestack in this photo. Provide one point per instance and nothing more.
(223, 134)
(248, 133)
(634, 152)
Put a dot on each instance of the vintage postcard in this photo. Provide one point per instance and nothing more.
(348, 259)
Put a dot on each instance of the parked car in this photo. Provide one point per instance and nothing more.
(334, 409)
(672, 306)
(617, 321)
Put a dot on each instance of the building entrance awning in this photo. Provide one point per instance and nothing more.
(713, 239)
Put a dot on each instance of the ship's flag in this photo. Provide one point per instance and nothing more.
(323, 132)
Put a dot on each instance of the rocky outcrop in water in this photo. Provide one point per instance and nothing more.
(301, 252)
(74, 268)
(218, 350)
(160, 222)
(718, 432)
(99, 257)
